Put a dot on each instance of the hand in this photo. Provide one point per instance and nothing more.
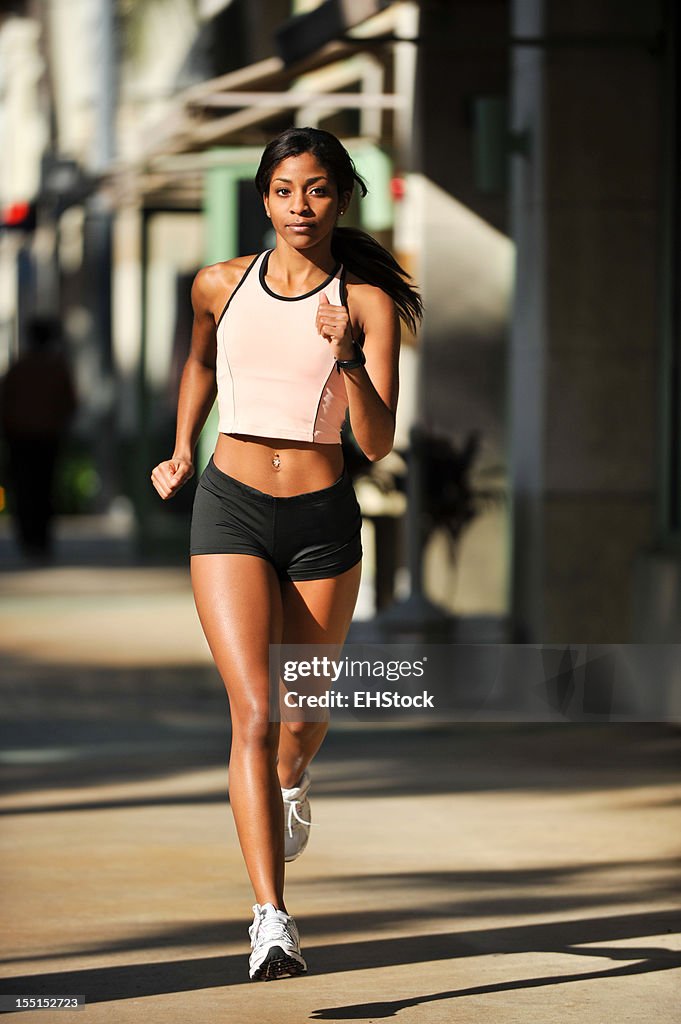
(333, 323)
(169, 476)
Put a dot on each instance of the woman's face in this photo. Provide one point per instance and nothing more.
(303, 201)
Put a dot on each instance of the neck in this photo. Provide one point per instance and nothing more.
(295, 267)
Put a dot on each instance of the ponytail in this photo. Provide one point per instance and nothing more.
(363, 256)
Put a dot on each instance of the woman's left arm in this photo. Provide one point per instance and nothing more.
(372, 389)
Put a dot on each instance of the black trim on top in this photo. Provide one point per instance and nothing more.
(343, 290)
(292, 298)
(243, 278)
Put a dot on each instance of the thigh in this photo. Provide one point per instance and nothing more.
(238, 600)
(319, 611)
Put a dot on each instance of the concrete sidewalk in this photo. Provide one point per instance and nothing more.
(504, 873)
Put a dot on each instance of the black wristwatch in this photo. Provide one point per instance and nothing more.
(359, 359)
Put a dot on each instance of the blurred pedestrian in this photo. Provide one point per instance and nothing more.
(289, 340)
(37, 402)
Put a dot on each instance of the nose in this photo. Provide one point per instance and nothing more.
(299, 204)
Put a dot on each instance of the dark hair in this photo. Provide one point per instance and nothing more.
(356, 250)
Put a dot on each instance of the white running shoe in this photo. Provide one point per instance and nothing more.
(275, 945)
(297, 818)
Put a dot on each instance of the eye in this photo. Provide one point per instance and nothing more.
(282, 191)
(319, 190)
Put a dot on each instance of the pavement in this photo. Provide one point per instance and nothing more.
(502, 872)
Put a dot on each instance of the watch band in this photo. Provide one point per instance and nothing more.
(352, 364)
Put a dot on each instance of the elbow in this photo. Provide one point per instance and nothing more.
(376, 456)
(380, 444)
(379, 452)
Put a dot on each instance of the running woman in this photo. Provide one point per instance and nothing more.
(288, 340)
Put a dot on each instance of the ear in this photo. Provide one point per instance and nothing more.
(344, 202)
(267, 205)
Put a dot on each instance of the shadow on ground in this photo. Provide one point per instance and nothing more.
(104, 984)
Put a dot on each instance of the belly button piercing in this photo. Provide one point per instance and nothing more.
(276, 461)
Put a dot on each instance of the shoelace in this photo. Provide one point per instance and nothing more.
(293, 813)
(270, 928)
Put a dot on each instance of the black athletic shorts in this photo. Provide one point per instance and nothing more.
(307, 536)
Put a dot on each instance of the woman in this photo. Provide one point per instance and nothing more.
(289, 340)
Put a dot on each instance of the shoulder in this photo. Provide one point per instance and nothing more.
(368, 300)
(214, 284)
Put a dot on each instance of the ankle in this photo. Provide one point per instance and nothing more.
(292, 779)
(276, 903)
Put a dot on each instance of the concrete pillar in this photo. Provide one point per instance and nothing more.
(586, 86)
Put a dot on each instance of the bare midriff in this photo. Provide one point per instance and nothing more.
(278, 466)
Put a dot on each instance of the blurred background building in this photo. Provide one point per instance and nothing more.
(523, 163)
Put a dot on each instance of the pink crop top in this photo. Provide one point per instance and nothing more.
(276, 376)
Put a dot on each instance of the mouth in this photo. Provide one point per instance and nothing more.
(300, 228)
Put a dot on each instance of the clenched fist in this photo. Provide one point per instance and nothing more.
(169, 476)
(333, 323)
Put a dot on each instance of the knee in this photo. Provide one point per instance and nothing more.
(253, 728)
(302, 730)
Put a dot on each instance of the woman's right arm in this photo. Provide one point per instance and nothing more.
(198, 387)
